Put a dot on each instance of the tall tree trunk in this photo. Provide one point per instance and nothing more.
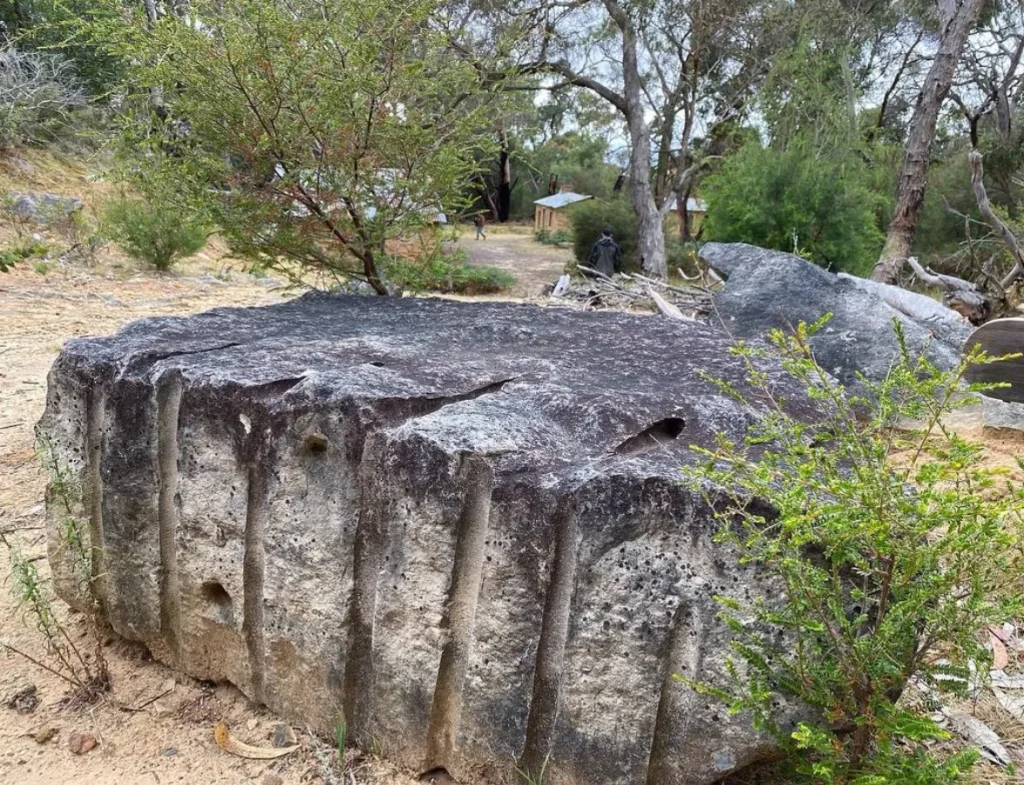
(650, 234)
(684, 215)
(504, 180)
(956, 25)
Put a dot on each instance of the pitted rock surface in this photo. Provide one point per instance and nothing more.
(769, 289)
(460, 524)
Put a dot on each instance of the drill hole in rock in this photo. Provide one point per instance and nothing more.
(653, 436)
(316, 443)
(218, 600)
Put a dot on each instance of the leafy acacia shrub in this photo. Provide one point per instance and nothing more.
(894, 545)
(372, 134)
(590, 217)
(156, 234)
(447, 273)
(794, 200)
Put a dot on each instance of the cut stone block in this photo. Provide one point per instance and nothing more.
(458, 525)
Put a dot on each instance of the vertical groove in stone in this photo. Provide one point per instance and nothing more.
(93, 491)
(253, 575)
(460, 616)
(683, 657)
(547, 676)
(168, 404)
(370, 541)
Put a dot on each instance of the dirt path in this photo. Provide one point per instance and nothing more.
(514, 250)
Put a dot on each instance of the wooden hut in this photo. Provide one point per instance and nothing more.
(551, 213)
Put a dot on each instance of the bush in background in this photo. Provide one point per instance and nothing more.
(156, 234)
(795, 201)
(39, 93)
(590, 217)
(446, 273)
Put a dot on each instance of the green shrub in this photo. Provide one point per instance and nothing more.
(156, 234)
(557, 237)
(796, 201)
(590, 217)
(888, 567)
(19, 253)
(446, 273)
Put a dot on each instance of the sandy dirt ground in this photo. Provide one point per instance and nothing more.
(513, 249)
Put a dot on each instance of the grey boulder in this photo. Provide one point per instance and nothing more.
(43, 207)
(458, 525)
(770, 289)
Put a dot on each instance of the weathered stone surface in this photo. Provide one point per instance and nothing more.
(1000, 415)
(767, 289)
(43, 207)
(459, 523)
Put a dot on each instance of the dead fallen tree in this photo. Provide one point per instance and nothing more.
(635, 292)
(997, 224)
(959, 295)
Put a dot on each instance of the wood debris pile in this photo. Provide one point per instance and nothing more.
(634, 292)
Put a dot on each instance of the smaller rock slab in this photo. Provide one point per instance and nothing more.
(766, 290)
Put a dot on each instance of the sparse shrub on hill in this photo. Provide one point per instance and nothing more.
(154, 233)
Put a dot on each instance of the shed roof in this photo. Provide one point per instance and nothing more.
(562, 199)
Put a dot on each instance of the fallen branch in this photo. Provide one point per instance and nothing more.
(666, 307)
(961, 296)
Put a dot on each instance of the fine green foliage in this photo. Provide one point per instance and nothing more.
(557, 237)
(340, 738)
(590, 217)
(65, 657)
(794, 200)
(892, 545)
(156, 233)
(20, 252)
(328, 127)
(446, 273)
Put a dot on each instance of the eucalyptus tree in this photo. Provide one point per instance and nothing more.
(669, 68)
(955, 20)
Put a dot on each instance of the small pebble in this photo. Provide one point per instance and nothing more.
(81, 742)
(272, 779)
(44, 734)
(283, 735)
(25, 700)
(251, 724)
(170, 752)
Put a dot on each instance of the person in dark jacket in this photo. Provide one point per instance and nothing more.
(605, 255)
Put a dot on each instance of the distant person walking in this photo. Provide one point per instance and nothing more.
(479, 222)
(605, 255)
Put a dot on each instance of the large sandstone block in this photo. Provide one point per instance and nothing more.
(458, 524)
